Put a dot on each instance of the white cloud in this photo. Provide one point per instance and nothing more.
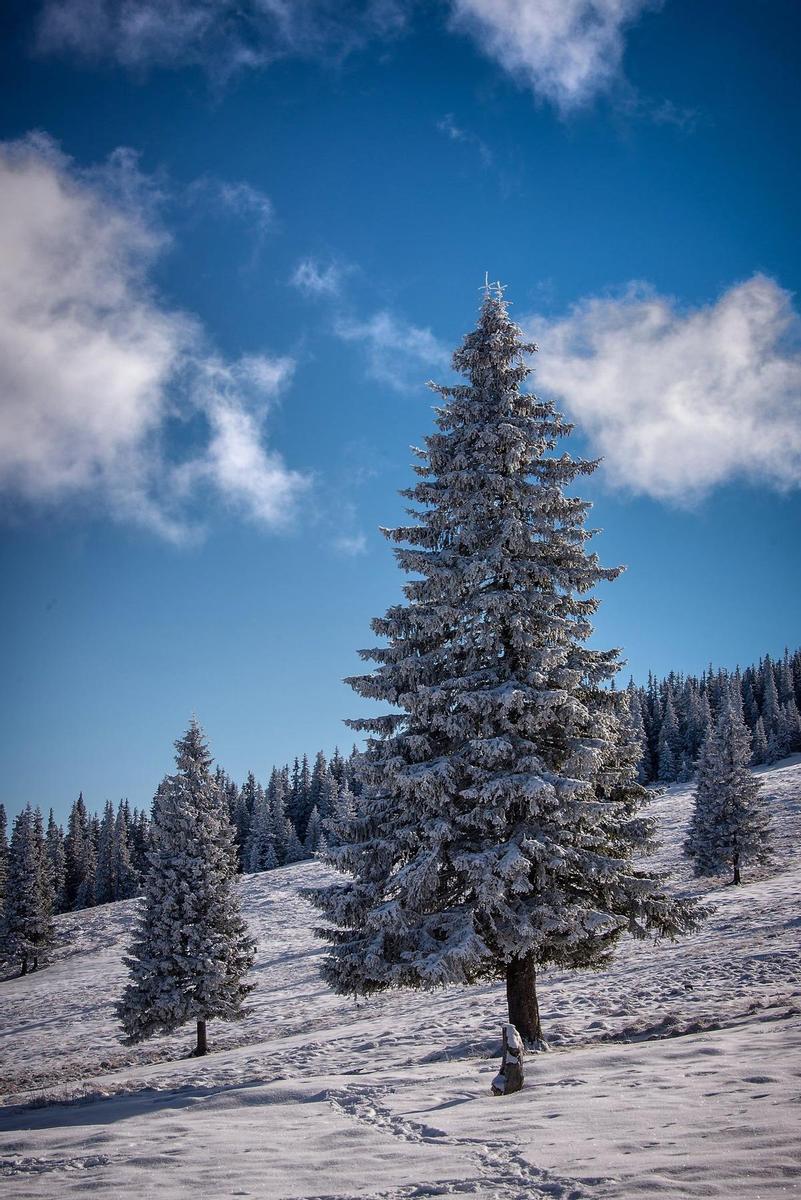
(566, 51)
(221, 35)
(313, 279)
(678, 401)
(397, 352)
(351, 545)
(93, 367)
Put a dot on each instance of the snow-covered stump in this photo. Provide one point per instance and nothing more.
(511, 1075)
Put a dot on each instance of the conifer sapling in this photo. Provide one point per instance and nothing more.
(192, 949)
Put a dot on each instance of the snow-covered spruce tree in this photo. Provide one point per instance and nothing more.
(104, 867)
(192, 949)
(79, 857)
(126, 883)
(54, 844)
(759, 743)
(27, 929)
(314, 831)
(3, 857)
(260, 852)
(730, 825)
(499, 826)
(670, 747)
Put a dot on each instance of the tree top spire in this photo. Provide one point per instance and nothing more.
(494, 290)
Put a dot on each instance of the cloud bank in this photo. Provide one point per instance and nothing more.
(95, 371)
(679, 402)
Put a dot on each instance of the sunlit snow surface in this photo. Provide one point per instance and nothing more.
(677, 1072)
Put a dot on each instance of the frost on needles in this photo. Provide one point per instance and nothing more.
(192, 948)
(500, 828)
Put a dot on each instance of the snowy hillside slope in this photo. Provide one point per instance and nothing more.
(675, 1072)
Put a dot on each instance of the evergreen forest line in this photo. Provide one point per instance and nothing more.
(673, 716)
(102, 857)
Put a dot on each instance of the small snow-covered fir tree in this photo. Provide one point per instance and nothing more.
(342, 811)
(292, 850)
(125, 879)
(499, 823)
(638, 726)
(260, 854)
(759, 748)
(79, 858)
(85, 896)
(54, 841)
(314, 831)
(3, 857)
(192, 949)
(730, 825)
(27, 929)
(104, 867)
(770, 697)
(670, 751)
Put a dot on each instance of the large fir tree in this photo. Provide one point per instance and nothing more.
(499, 828)
(192, 948)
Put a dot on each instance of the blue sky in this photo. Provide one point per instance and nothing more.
(232, 252)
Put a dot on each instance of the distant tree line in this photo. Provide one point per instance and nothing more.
(291, 817)
(46, 869)
(674, 716)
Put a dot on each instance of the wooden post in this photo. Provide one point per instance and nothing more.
(510, 1077)
(202, 1045)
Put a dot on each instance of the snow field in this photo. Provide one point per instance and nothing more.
(674, 1072)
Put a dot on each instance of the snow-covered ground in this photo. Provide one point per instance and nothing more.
(676, 1072)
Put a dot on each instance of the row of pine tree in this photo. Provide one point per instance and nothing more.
(101, 858)
(673, 716)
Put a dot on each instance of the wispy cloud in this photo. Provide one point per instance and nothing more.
(95, 369)
(351, 545)
(244, 201)
(237, 199)
(314, 279)
(566, 51)
(222, 36)
(397, 353)
(680, 401)
(447, 126)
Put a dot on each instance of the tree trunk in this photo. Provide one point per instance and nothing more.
(736, 869)
(521, 996)
(202, 1045)
(24, 970)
